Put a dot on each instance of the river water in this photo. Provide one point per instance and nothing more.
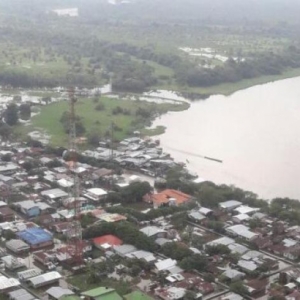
(255, 132)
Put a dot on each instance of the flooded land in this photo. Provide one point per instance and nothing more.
(255, 132)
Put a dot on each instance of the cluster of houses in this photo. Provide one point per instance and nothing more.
(36, 208)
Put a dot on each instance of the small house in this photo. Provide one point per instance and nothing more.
(229, 205)
(154, 232)
(29, 208)
(168, 197)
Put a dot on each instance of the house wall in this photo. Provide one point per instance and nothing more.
(32, 212)
(7, 217)
(43, 261)
(160, 235)
(44, 283)
(41, 245)
(290, 256)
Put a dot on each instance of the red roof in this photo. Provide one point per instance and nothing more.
(108, 239)
(166, 195)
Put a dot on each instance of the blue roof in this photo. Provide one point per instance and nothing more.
(35, 236)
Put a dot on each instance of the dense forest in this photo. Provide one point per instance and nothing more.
(138, 45)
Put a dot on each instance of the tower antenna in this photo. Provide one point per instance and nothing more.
(74, 231)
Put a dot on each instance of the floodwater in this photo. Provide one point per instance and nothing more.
(255, 132)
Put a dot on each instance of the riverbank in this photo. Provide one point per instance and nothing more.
(227, 89)
(189, 93)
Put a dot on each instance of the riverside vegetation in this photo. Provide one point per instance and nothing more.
(137, 49)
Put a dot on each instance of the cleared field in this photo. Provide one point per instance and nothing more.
(99, 121)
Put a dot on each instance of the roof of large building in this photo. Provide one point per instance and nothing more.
(230, 204)
(247, 265)
(165, 264)
(221, 241)
(196, 216)
(166, 195)
(103, 293)
(232, 273)
(6, 283)
(16, 245)
(35, 236)
(152, 230)
(124, 249)
(110, 239)
(24, 275)
(8, 167)
(141, 254)
(20, 294)
(54, 193)
(27, 204)
(136, 295)
(238, 248)
(44, 278)
(242, 217)
(97, 191)
(244, 209)
(242, 231)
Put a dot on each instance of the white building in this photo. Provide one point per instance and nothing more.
(7, 283)
(27, 274)
(226, 241)
(230, 205)
(244, 209)
(165, 264)
(54, 194)
(95, 194)
(242, 232)
(44, 279)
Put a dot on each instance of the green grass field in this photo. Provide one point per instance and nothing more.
(98, 121)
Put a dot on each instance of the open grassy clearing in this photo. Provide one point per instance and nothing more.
(98, 121)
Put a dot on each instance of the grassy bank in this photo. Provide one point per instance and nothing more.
(229, 88)
(99, 121)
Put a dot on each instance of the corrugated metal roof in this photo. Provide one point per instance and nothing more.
(16, 245)
(44, 278)
(6, 283)
(165, 264)
(230, 204)
(152, 230)
(24, 275)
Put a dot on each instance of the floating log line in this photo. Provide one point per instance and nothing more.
(198, 155)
